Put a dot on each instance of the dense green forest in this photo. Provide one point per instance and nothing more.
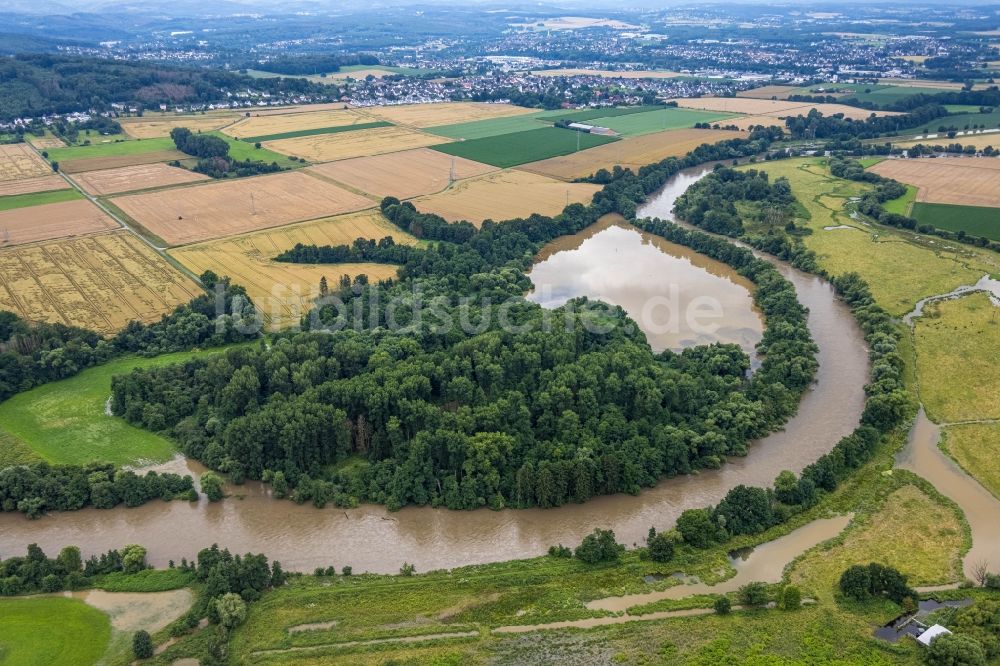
(34, 85)
(455, 406)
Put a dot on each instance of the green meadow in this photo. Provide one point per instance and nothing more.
(508, 150)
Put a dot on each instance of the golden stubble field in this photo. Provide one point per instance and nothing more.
(225, 208)
(404, 175)
(966, 181)
(632, 153)
(54, 220)
(18, 160)
(138, 177)
(360, 143)
(504, 195)
(100, 282)
(285, 291)
(292, 122)
(32, 185)
(154, 126)
(448, 113)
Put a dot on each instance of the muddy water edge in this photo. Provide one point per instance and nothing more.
(370, 538)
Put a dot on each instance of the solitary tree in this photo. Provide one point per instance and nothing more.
(722, 605)
(211, 485)
(232, 610)
(955, 650)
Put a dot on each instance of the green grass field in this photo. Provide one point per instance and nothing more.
(64, 422)
(147, 580)
(480, 129)
(15, 452)
(44, 631)
(111, 149)
(964, 121)
(38, 198)
(637, 124)
(973, 220)
(241, 150)
(508, 150)
(319, 130)
(958, 343)
(888, 94)
(903, 204)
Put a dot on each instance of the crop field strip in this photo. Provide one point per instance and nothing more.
(668, 118)
(138, 177)
(44, 142)
(404, 175)
(450, 113)
(52, 220)
(153, 127)
(972, 181)
(319, 130)
(225, 208)
(504, 195)
(18, 161)
(479, 129)
(508, 150)
(363, 143)
(774, 108)
(12, 201)
(48, 183)
(284, 290)
(974, 220)
(116, 162)
(100, 281)
(633, 153)
(294, 121)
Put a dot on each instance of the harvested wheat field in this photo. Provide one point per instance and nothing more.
(32, 185)
(138, 177)
(100, 282)
(118, 161)
(504, 195)
(283, 290)
(634, 153)
(155, 127)
(767, 92)
(449, 113)
(54, 220)
(361, 143)
(43, 142)
(774, 108)
(293, 122)
(980, 141)
(970, 181)
(404, 175)
(18, 160)
(203, 212)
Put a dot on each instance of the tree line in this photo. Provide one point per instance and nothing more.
(815, 125)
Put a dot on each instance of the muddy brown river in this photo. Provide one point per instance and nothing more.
(372, 539)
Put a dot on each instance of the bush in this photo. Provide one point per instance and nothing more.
(791, 598)
(211, 485)
(599, 546)
(142, 644)
(407, 569)
(753, 594)
(722, 606)
(955, 650)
